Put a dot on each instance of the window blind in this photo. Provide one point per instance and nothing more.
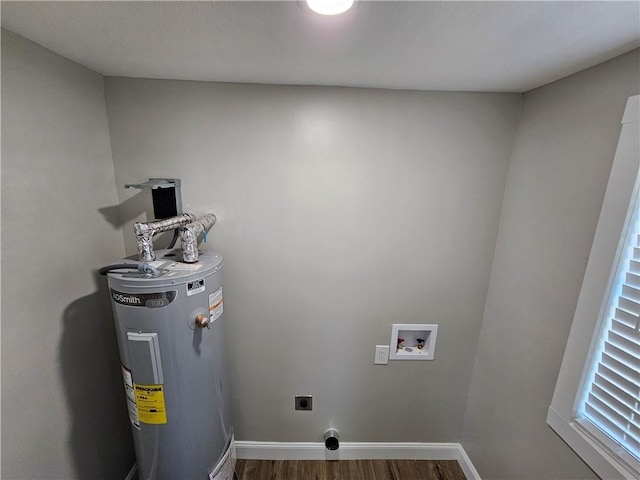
(610, 408)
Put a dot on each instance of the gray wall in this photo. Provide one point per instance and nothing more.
(341, 211)
(63, 415)
(559, 169)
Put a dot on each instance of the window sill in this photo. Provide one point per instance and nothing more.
(593, 452)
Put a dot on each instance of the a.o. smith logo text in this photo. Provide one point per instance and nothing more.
(148, 300)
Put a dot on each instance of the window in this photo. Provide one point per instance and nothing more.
(609, 408)
(596, 403)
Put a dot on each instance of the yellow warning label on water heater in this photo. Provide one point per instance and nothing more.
(150, 402)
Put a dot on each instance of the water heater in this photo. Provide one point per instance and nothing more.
(170, 327)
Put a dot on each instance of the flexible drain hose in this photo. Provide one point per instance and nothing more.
(142, 267)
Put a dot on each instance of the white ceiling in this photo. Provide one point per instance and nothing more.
(472, 46)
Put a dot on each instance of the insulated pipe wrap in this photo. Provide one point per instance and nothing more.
(146, 230)
(189, 236)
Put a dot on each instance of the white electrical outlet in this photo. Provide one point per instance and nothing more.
(382, 355)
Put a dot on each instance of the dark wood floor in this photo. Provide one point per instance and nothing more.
(349, 470)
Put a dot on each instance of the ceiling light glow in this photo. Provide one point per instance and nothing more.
(330, 7)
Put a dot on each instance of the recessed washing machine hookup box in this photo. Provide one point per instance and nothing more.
(413, 341)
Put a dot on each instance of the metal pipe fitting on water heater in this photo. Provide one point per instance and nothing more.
(190, 225)
(189, 236)
(146, 230)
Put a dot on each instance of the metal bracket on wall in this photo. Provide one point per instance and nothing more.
(166, 203)
(154, 183)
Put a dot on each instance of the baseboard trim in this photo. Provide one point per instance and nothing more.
(467, 467)
(351, 451)
(357, 451)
